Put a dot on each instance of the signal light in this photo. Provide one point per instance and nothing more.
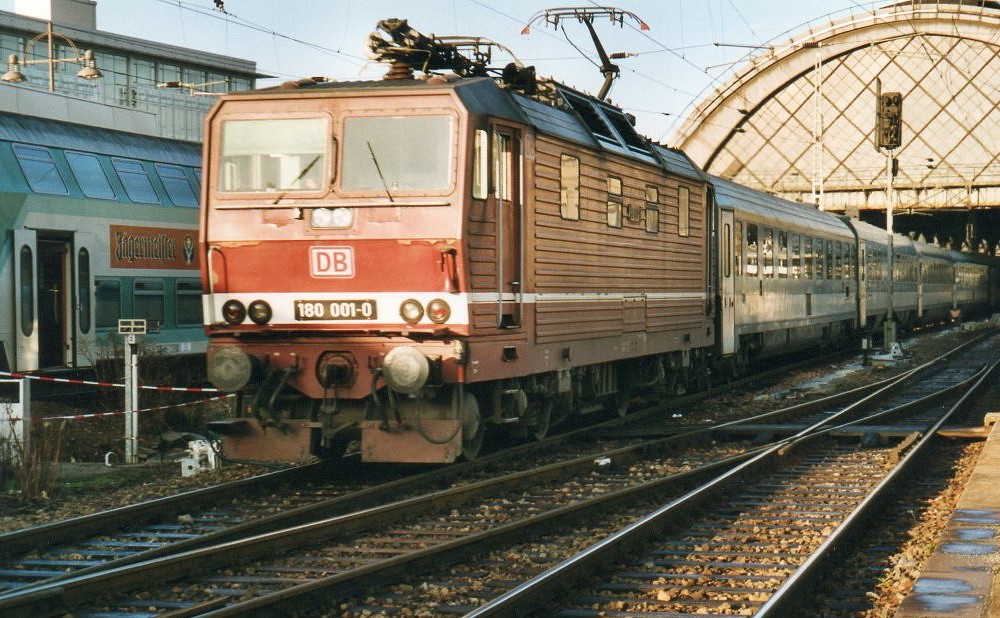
(233, 312)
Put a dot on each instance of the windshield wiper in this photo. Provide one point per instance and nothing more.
(305, 170)
(378, 168)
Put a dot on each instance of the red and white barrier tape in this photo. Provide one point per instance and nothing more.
(80, 417)
(176, 389)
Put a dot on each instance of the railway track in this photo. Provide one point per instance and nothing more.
(437, 519)
(182, 522)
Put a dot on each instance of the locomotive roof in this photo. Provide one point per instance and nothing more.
(565, 113)
(776, 210)
(45, 132)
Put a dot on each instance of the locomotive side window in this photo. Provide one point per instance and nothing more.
(480, 165)
(753, 258)
(614, 201)
(652, 209)
(569, 187)
(683, 211)
(40, 170)
(90, 175)
(148, 300)
(108, 302)
(285, 154)
(386, 154)
(178, 187)
(135, 178)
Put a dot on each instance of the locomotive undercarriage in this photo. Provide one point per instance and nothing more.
(442, 422)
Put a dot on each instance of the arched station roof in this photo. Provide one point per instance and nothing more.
(799, 118)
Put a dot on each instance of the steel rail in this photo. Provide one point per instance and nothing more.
(549, 584)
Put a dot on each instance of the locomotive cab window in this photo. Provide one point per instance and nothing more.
(387, 155)
(281, 154)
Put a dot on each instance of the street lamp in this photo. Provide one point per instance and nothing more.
(194, 90)
(89, 68)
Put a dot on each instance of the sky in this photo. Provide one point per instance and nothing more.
(690, 46)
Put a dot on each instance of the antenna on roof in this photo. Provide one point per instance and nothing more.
(586, 15)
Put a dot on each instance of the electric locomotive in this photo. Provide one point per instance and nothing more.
(412, 260)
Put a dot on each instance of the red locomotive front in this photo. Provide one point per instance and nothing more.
(334, 260)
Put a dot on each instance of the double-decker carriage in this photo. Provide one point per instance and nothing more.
(411, 261)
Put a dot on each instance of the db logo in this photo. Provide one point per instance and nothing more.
(331, 261)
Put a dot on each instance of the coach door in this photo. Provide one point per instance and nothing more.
(727, 309)
(507, 194)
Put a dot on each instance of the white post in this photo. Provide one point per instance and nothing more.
(130, 329)
(131, 400)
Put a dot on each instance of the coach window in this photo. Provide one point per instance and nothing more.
(569, 187)
(833, 259)
(807, 258)
(796, 257)
(90, 175)
(40, 170)
(827, 259)
(767, 246)
(753, 258)
(178, 187)
(838, 270)
(614, 201)
(147, 301)
(136, 181)
(738, 247)
(187, 303)
(652, 209)
(782, 254)
(27, 291)
(83, 288)
(727, 251)
(108, 302)
(683, 211)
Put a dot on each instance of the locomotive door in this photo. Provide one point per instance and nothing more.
(507, 196)
(25, 300)
(727, 289)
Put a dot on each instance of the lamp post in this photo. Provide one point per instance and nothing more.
(89, 68)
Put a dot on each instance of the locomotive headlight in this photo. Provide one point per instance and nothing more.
(259, 312)
(233, 312)
(332, 217)
(438, 311)
(411, 311)
(405, 369)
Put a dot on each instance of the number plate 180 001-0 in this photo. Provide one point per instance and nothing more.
(336, 310)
